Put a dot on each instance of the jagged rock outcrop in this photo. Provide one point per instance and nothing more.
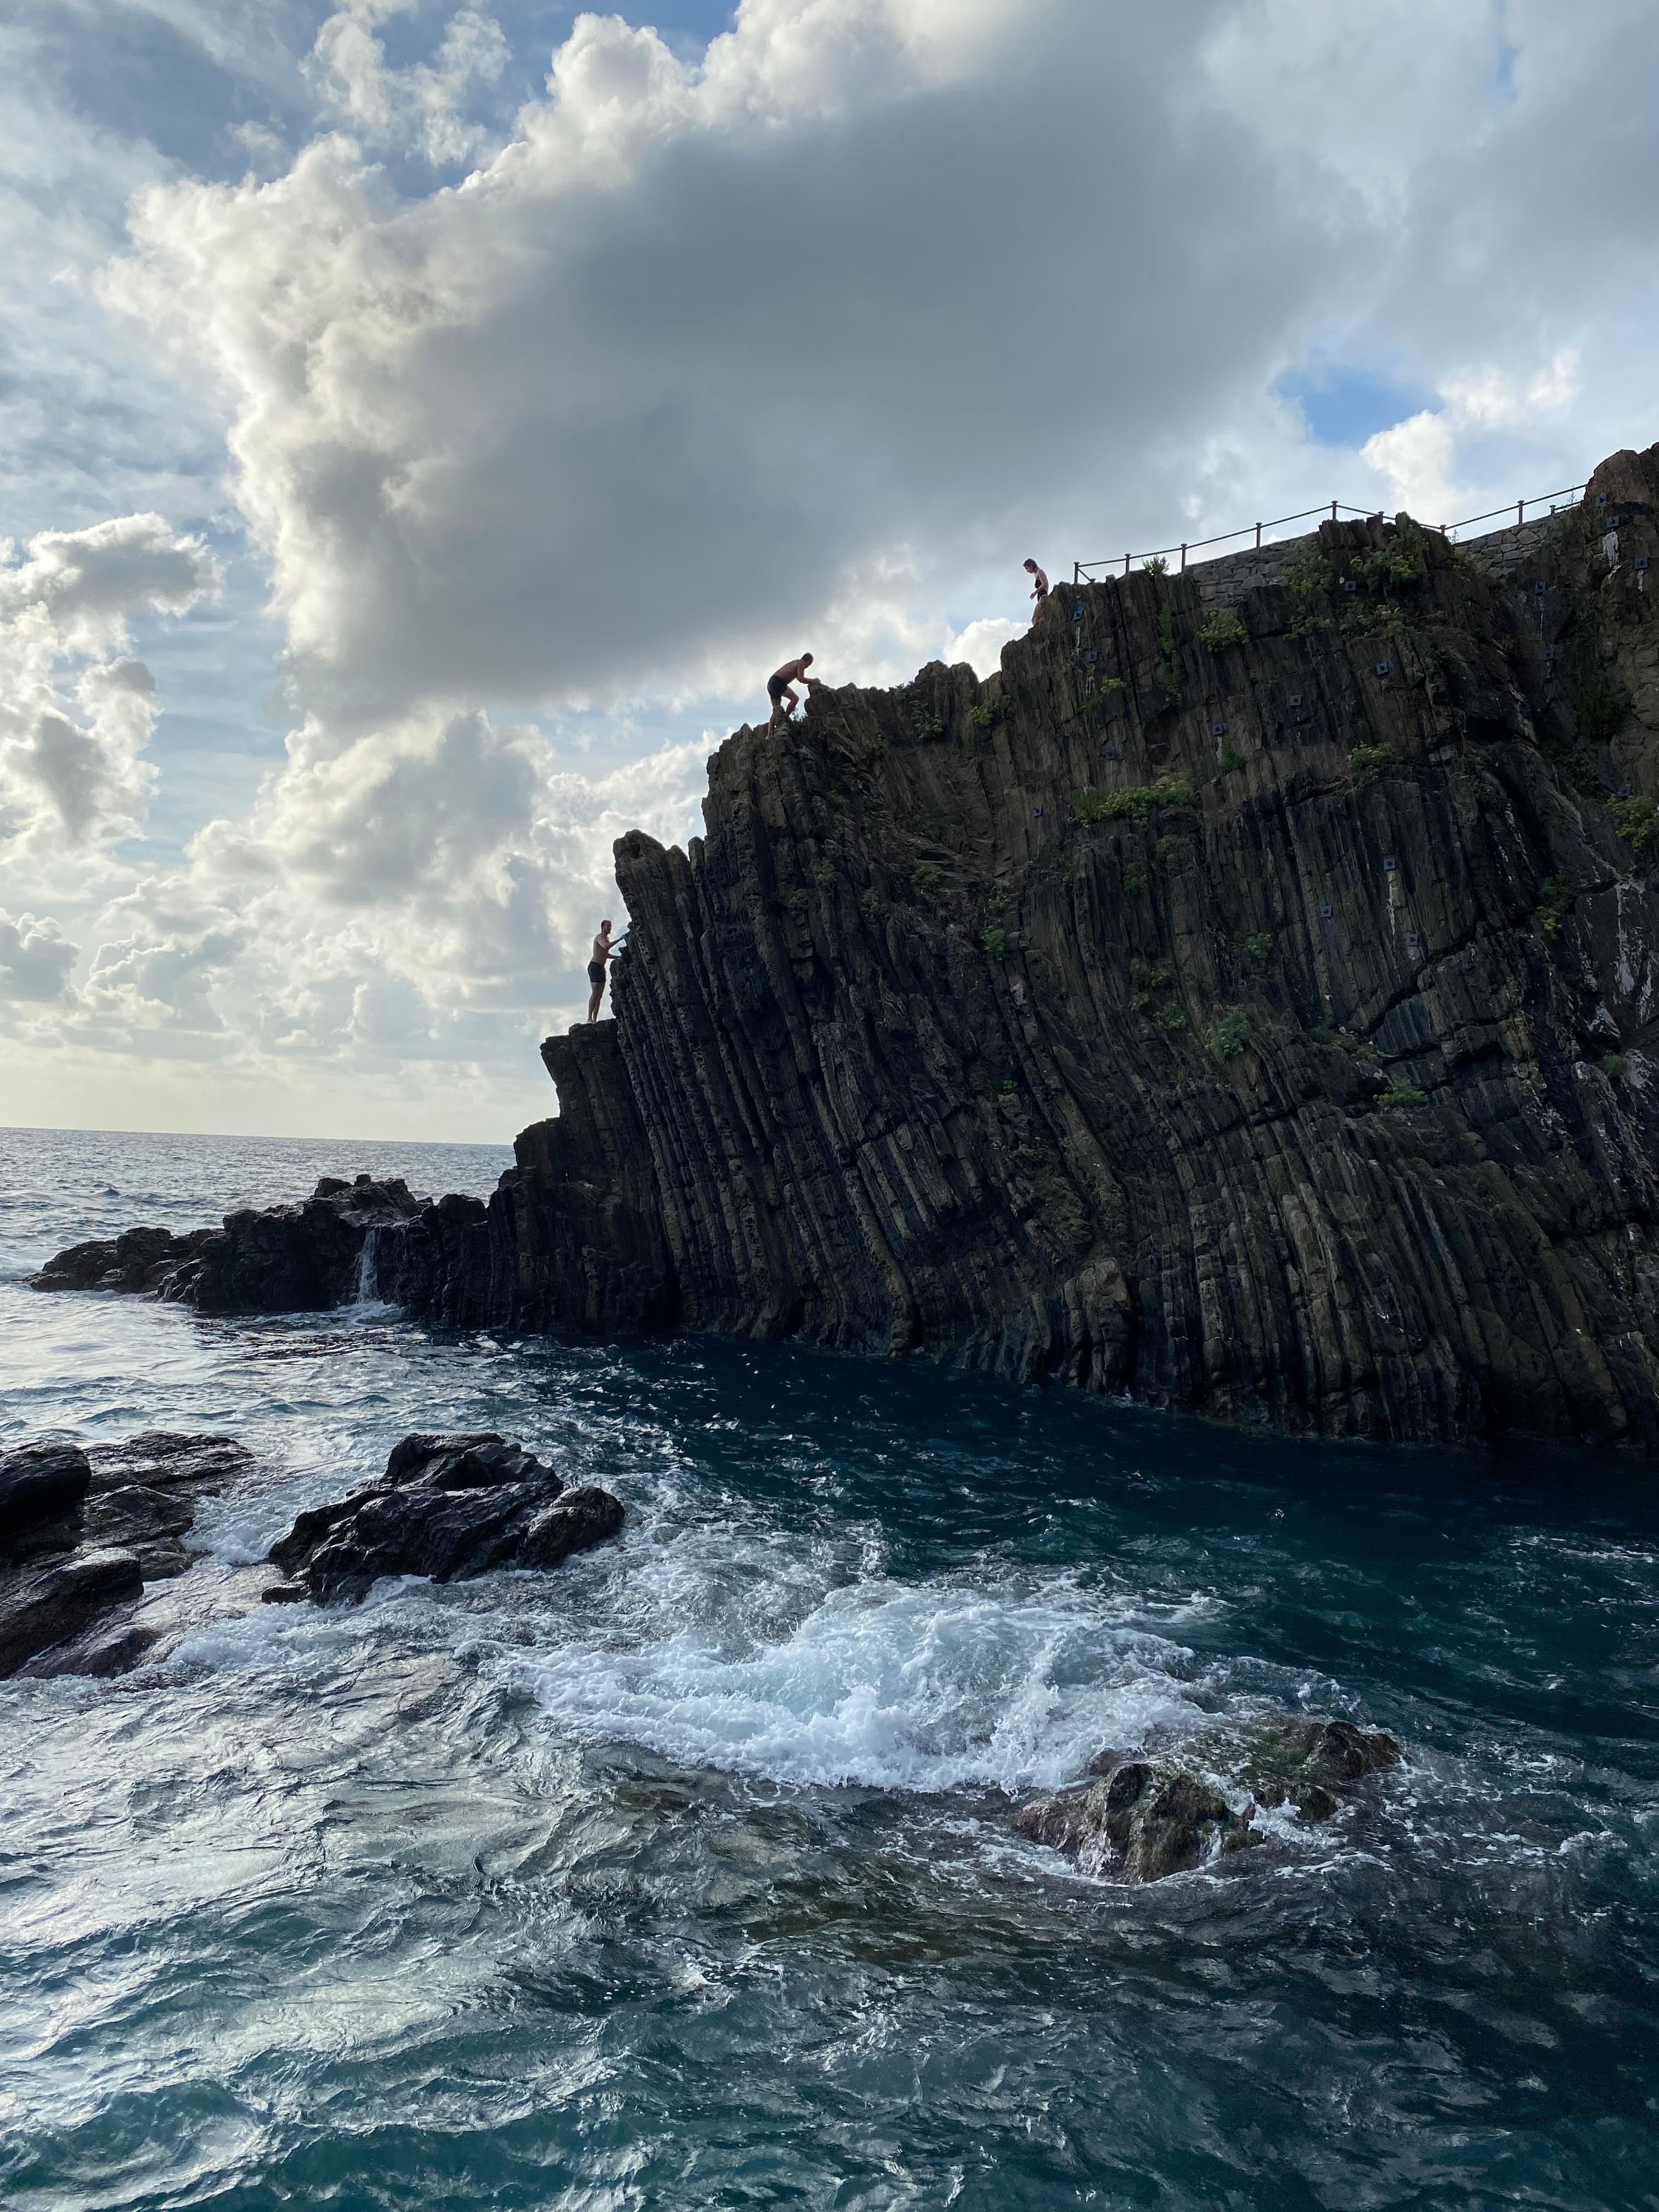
(81, 1532)
(1149, 1817)
(449, 1507)
(1245, 1000)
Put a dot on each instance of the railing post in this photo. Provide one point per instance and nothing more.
(1332, 510)
(1519, 513)
(1258, 537)
(1076, 574)
(1126, 564)
(1183, 560)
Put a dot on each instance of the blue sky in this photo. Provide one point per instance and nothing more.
(422, 424)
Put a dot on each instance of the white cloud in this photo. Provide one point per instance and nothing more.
(424, 102)
(35, 959)
(1418, 458)
(72, 773)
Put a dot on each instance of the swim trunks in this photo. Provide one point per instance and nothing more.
(776, 688)
(596, 971)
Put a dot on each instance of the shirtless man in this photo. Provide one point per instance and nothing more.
(779, 689)
(604, 952)
(1040, 591)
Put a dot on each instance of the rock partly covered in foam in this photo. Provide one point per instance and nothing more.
(447, 1507)
(81, 1532)
(1146, 1817)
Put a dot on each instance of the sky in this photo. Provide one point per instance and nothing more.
(423, 427)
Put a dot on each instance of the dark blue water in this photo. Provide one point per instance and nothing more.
(683, 1877)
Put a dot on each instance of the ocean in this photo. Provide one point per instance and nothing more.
(684, 1876)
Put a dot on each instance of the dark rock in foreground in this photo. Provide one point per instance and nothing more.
(82, 1532)
(1152, 1817)
(39, 1484)
(449, 1507)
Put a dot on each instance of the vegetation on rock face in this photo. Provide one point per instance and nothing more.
(1635, 819)
(1401, 1094)
(1156, 566)
(1223, 629)
(1615, 1065)
(1364, 758)
(929, 878)
(1135, 802)
(1259, 946)
(995, 942)
(1336, 1040)
(1230, 1035)
(1554, 906)
(1229, 760)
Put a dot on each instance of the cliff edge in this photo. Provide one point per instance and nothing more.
(1244, 1001)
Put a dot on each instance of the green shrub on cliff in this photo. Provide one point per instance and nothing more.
(874, 905)
(1363, 758)
(1259, 946)
(995, 942)
(1401, 1094)
(1615, 1065)
(929, 878)
(1229, 760)
(1230, 1035)
(1156, 565)
(1635, 819)
(1223, 629)
(1136, 801)
(1554, 906)
(824, 875)
(1310, 575)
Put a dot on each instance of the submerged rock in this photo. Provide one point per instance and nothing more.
(1147, 1818)
(81, 1532)
(449, 1507)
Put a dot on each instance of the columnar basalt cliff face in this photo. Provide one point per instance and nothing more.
(1245, 1000)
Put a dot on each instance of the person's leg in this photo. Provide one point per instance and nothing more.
(598, 994)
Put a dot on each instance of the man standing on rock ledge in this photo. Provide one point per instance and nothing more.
(780, 687)
(604, 953)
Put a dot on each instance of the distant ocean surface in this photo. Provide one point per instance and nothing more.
(683, 1876)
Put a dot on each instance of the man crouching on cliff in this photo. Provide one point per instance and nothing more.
(780, 687)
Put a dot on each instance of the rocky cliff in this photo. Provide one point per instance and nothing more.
(1244, 1000)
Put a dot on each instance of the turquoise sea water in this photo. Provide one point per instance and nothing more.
(683, 1877)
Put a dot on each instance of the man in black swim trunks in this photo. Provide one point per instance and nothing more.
(604, 953)
(780, 688)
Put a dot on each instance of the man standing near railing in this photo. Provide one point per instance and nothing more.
(1040, 587)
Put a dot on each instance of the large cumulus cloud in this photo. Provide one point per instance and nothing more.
(696, 361)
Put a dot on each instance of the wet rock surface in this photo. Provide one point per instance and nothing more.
(1245, 1000)
(306, 1257)
(1150, 1817)
(449, 1507)
(83, 1531)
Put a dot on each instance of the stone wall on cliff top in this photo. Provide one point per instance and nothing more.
(1258, 1026)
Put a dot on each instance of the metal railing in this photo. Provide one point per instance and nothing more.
(1084, 571)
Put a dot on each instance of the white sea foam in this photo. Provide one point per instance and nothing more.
(927, 1687)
